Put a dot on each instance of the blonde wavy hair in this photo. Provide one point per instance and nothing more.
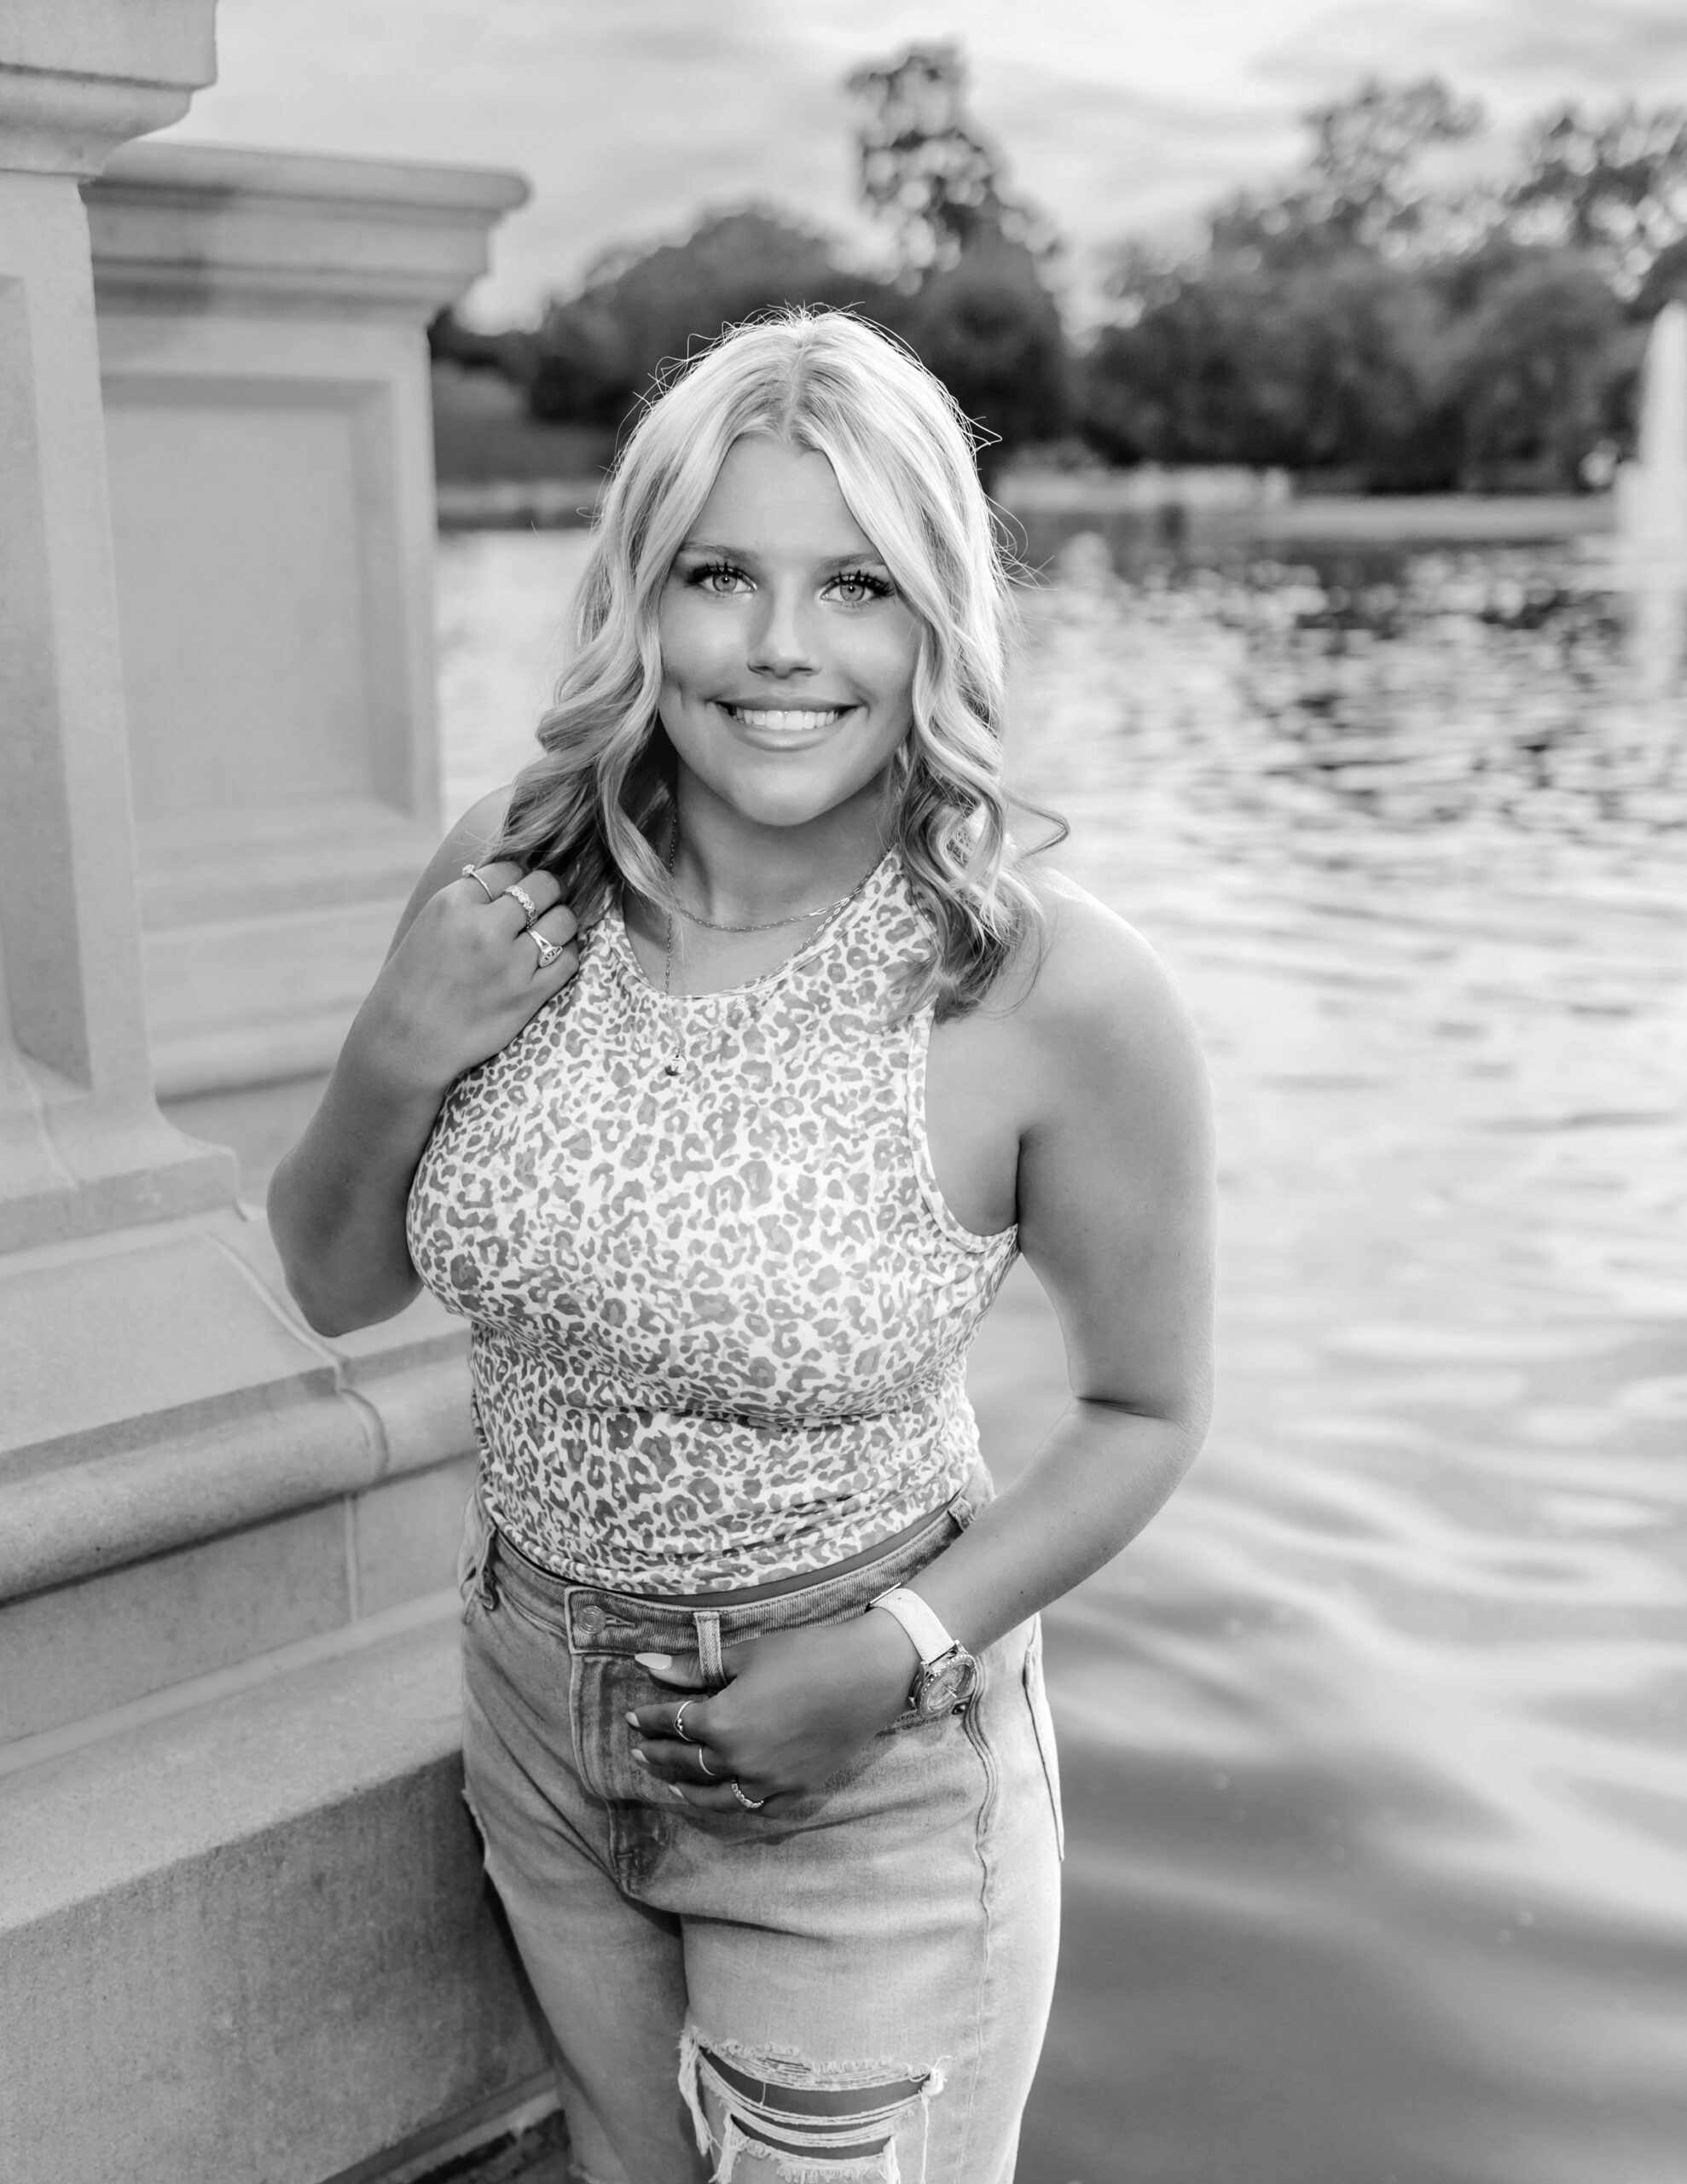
(596, 803)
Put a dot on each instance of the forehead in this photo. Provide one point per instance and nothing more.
(772, 498)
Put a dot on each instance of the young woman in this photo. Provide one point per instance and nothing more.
(718, 1072)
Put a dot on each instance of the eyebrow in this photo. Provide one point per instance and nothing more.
(742, 554)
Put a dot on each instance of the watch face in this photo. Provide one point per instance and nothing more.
(949, 1682)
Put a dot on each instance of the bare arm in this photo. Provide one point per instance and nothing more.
(460, 980)
(1115, 1215)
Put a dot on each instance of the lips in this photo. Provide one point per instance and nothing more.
(785, 720)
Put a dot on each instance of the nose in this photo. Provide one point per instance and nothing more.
(781, 641)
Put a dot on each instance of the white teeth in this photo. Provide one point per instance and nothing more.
(789, 723)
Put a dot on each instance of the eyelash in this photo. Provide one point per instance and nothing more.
(876, 587)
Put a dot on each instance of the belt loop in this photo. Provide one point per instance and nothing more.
(709, 1661)
(974, 1495)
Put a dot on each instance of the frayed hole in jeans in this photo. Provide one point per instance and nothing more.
(809, 2123)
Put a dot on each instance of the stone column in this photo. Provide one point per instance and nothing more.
(81, 1145)
(261, 323)
(243, 1935)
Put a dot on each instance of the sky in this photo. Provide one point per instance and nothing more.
(630, 116)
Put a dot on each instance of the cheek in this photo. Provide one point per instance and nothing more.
(898, 656)
(690, 645)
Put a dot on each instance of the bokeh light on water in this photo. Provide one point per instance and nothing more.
(1374, 1743)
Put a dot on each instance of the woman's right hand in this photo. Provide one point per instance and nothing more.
(466, 976)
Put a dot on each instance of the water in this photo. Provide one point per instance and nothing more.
(1374, 1745)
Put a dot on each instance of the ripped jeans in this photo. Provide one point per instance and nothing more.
(857, 1989)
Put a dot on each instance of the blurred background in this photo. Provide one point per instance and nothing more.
(1307, 346)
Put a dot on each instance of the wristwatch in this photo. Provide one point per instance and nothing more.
(947, 1674)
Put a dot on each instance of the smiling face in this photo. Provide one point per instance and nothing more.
(787, 656)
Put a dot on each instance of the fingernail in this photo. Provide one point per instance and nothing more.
(679, 1793)
(632, 1720)
(639, 1759)
(654, 1660)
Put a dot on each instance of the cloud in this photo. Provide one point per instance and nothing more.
(1519, 54)
(1116, 115)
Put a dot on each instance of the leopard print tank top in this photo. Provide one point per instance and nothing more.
(719, 1308)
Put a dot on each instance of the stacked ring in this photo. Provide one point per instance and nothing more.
(704, 1765)
(517, 893)
(469, 873)
(749, 1803)
(548, 952)
(680, 1722)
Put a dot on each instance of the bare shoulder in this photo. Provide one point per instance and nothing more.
(468, 843)
(1087, 987)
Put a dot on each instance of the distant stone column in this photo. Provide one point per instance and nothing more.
(81, 1145)
(262, 325)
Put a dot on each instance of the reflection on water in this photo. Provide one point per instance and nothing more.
(1375, 1759)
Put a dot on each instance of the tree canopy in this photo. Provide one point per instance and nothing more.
(1361, 319)
(1370, 316)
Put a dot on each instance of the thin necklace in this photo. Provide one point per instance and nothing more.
(826, 914)
(768, 924)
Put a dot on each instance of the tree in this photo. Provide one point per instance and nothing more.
(1538, 375)
(1360, 185)
(1327, 368)
(599, 351)
(925, 169)
(1612, 187)
(970, 257)
(989, 330)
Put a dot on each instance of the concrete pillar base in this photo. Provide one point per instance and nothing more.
(251, 1940)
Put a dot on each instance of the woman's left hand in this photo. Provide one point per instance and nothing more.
(797, 1705)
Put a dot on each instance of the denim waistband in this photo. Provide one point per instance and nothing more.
(595, 1620)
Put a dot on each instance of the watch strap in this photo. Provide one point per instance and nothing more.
(923, 1623)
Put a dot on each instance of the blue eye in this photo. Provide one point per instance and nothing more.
(863, 584)
(703, 578)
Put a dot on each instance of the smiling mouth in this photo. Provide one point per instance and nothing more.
(788, 720)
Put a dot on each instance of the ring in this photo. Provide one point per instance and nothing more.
(469, 873)
(704, 1765)
(680, 1711)
(749, 1804)
(548, 952)
(518, 893)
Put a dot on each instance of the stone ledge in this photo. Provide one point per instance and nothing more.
(251, 1944)
(74, 81)
(160, 1389)
(291, 233)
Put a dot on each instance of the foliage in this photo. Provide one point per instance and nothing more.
(599, 353)
(1329, 367)
(970, 257)
(968, 297)
(1360, 318)
(926, 171)
(1615, 187)
(1537, 374)
(1361, 187)
(989, 330)
(1356, 319)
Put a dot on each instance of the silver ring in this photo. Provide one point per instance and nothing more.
(548, 952)
(517, 893)
(749, 1804)
(469, 873)
(704, 1765)
(680, 1711)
